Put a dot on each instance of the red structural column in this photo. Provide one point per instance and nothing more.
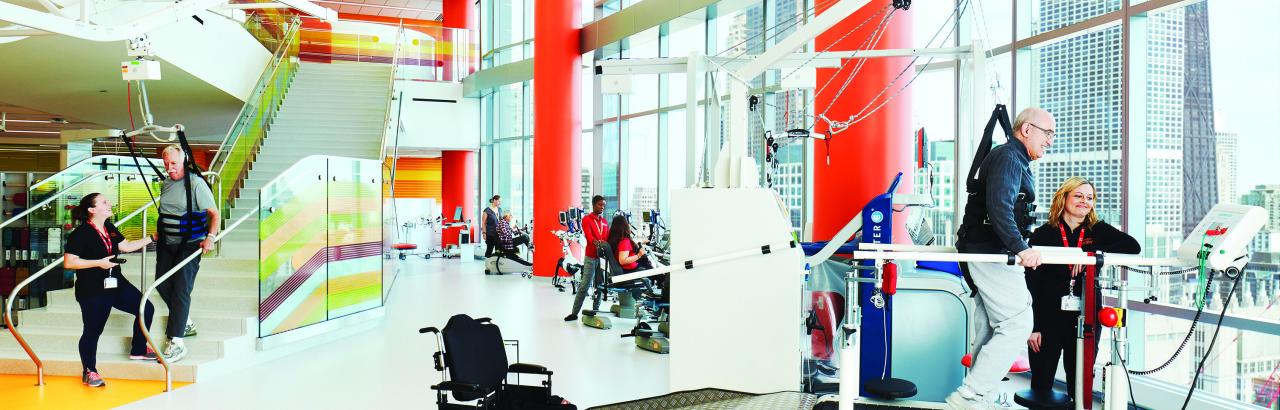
(865, 157)
(557, 123)
(458, 181)
(458, 14)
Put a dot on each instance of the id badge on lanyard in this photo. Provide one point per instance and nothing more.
(1071, 302)
(110, 282)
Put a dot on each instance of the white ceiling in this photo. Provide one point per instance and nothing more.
(81, 81)
(408, 9)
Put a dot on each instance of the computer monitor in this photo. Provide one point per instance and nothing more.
(564, 220)
(646, 216)
(457, 213)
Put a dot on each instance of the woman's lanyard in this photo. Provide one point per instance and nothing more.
(1062, 228)
(106, 239)
(106, 242)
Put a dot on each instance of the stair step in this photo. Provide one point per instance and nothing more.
(201, 300)
(114, 341)
(15, 361)
(121, 323)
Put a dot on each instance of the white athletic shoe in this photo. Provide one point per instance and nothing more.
(957, 401)
(174, 352)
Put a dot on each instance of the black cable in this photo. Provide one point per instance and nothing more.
(1183, 345)
(1212, 341)
(1115, 347)
(1152, 272)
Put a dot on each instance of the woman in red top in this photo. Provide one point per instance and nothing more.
(629, 253)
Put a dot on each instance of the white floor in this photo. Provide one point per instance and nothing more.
(390, 365)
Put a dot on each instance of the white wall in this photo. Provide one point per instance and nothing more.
(220, 52)
(441, 118)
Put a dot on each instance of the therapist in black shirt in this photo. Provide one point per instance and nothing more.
(1072, 223)
(99, 284)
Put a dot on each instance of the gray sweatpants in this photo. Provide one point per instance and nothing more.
(1002, 323)
(590, 267)
(176, 292)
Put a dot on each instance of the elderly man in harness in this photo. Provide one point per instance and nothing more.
(188, 223)
(998, 219)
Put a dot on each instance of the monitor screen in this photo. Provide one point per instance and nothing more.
(457, 213)
(564, 220)
(646, 216)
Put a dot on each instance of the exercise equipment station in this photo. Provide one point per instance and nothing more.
(899, 343)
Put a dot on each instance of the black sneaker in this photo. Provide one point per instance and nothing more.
(571, 318)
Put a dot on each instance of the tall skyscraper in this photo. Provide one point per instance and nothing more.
(1227, 157)
(1199, 151)
(1080, 84)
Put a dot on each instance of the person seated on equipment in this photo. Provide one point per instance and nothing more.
(1072, 223)
(509, 242)
(631, 256)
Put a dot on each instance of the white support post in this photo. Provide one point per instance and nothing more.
(967, 138)
(692, 112)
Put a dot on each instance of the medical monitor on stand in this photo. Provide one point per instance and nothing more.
(1224, 235)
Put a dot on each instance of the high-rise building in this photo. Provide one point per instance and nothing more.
(643, 198)
(936, 180)
(1199, 150)
(586, 189)
(1226, 147)
(1085, 105)
(1267, 197)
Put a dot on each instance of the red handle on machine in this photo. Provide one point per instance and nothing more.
(890, 279)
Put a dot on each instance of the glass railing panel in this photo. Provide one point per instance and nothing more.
(292, 225)
(269, 26)
(321, 239)
(355, 236)
(245, 136)
(1243, 365)
(37, 239)
(48, 186)
(426, 53)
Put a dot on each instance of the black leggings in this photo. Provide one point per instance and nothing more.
(1058, 343)
(97, 309)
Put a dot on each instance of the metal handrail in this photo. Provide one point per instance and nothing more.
(168, 374)
(276, 61)
(8, 307)
(391, 89)
(93, 158)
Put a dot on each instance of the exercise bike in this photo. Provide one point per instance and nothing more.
(503, 261)
(568, 262)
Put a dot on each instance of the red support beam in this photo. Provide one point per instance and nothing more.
(458, 182)
(557, 124)
(865, 157)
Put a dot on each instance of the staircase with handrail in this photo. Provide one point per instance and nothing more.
(303, 232)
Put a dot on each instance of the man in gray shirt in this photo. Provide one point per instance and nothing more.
(188, 222)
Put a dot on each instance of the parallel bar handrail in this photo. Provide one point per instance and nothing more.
(8, 307)
(168, 373)
(276, 60)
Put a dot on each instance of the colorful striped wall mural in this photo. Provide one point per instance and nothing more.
(321, 244)
(419, 178)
